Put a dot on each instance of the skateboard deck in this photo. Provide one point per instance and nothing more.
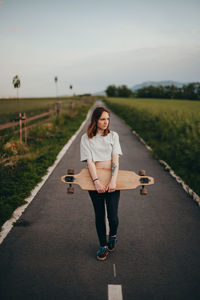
(125, 180)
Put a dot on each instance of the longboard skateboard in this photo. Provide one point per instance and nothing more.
(125, 180)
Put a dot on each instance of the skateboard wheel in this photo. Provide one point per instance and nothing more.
(70, 171)
(142, 173)
(70, 190)
(143, 191)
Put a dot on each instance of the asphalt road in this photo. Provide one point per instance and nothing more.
(157, 256)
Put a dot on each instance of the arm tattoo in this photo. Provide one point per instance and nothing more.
(113, 168)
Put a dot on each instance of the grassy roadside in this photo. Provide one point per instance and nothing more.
(22, 167)
(171, 128)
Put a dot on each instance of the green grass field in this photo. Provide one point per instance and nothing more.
(170, 127)
(10, 108)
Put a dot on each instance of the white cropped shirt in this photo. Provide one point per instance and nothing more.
(100, 148)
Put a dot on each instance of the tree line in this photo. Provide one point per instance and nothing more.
(118, 91)
(189, 91)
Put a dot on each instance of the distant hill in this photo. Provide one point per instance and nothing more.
(99, 93)
(156, 83)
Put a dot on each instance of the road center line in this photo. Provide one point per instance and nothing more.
(114, 270)
(114, 292)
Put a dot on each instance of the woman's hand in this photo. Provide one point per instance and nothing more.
(99, 187)
(115, 167)
(111, 186)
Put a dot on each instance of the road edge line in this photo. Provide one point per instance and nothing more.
(178, 179)
(8, 225)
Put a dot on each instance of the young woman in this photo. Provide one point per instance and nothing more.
(100, 148)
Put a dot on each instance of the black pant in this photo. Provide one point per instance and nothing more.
(112, 201)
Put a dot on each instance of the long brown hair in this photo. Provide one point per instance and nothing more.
(92, 128)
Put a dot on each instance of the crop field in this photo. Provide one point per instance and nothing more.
(170, 127)
(22, 165)
(10, 108)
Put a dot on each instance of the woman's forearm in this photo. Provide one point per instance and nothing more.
(93, 173)
(92, 169)
(115, 167)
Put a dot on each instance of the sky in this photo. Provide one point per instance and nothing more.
(91, 44)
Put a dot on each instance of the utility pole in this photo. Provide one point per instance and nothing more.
(56, 82)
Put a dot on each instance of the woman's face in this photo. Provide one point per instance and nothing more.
(103, 121)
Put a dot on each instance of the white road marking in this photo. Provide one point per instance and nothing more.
(114, 270)
(114, 292)
(7, 226)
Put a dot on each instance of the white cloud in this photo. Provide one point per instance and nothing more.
(11, 29)
(194, 30)
(14, 28)
(189, 30)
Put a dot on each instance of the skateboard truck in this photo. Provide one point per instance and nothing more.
(143, 190)
(70, 189)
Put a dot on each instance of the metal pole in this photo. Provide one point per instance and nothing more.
(25, 129)
(20, 127)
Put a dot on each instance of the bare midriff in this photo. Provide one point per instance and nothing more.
(103, 164)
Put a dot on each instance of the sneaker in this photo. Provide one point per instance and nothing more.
(102, 253)
(112, 243)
